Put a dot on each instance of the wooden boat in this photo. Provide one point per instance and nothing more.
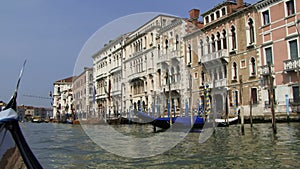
(36, 119)
(164, 122)
(14, 150)
(223, 122)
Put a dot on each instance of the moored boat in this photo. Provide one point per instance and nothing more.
(14, 150)
(164, 122)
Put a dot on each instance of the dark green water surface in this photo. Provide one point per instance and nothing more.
(67, 146)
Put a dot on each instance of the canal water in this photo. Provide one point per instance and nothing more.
(67, 146)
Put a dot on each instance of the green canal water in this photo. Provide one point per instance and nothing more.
(67, 146)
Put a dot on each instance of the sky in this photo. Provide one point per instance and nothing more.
(51, 35)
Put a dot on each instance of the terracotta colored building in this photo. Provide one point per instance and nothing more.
(279, 36)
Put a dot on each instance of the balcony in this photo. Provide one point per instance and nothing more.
(264, 70)
(291, 65)
(217, 83)
(220, 54)
(173, 86)
(136, 75)
(163, 58)
(167, 56)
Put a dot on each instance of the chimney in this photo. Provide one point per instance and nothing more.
(240, 3)
(194, 15)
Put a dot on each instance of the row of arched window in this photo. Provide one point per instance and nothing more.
(222, 40)
(136, 66)
(116, 60)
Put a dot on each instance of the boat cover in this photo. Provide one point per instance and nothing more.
(8, 115)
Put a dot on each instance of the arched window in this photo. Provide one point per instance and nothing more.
(251, 31)
(233, 37)
(213, 47)
(218, 41)
(176, 42)
(190, 54)
(201, 48)
(252, 66)
(152, 38)
(234, 71)
(202, 77)
(167, 76)
(172, 75)
(208, 45)
(225, 71)
(166, 42)
(178, 73)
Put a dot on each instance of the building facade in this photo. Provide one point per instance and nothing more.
(83, 94)
(63, 99)
(107, 65)
(140, 65)
(279, 22)
(170, 63)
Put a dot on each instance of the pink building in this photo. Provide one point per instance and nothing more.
(279, 34)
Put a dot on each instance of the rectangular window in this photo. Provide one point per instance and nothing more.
(293, 49)
(269, 57)
(296, 94)
(243, 63)
(290, 7)
(254, 95)
(266, 17)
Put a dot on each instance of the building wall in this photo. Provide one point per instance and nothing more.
(62, 98)
(277, 34)
(108, 77)
(82, 93)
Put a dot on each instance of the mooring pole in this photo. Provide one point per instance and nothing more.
(271, 90)
(251, 117)
(287, 102)
(241, 104)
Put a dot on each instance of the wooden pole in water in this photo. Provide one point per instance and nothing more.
(251, 120)
(271, 90)
(241, 103)
(190, 101)
(169, 103)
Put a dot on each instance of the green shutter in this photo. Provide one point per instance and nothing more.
(293, 49)
(269, 55)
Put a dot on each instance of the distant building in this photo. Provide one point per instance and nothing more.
(27, 113)
(83, 94)
(63, 99)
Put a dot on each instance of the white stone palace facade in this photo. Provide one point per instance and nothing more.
(172, 61)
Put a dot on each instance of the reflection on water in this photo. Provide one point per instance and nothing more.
(67, 146)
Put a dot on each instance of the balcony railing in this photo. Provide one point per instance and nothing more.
(136, 75)
(215, 55)
(264, 70)
(173, 86)
(217, 83)
(165, 57)
(291, 64)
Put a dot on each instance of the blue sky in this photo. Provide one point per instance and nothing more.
(50, 35)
